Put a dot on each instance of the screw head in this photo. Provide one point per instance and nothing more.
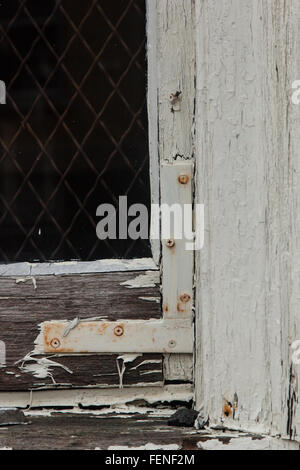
(170, 243)
(55, 343)
(119, 330)
(172, 343)
(183, 179)
(185, 298)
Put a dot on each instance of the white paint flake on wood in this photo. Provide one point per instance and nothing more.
(247, 443)
(2, 354)
(97, 397)
(147, 279)
(148, 446)
(28, 270)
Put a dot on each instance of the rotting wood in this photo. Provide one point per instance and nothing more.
(66, 298)
(87, 371)
(138, 430)
(112, 396)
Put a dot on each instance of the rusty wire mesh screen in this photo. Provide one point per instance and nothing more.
(73, 133)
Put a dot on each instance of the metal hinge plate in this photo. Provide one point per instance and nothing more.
(151, 336)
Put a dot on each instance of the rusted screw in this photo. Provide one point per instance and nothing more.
(227, 410)
(55, 343)
(174, 97)
(183, 179)
(185, 298)
(170, 243)
(172, 343)
(119, 330)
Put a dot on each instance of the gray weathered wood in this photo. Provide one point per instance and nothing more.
(23, 308)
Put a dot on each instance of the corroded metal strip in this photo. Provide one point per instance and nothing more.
(111, 337)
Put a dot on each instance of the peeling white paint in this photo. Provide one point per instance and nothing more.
(148, 446)
(40, 367)
(248, 443)
(148, 361)
(125, 359)
(2, 354)
(76, 267)
(26, 279)
(149, 372)
(151, 299)
(71, 326)
(123, 411)
(149, 279)
(248, 164)
(111, 396)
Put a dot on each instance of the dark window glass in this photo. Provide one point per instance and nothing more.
(73, 134)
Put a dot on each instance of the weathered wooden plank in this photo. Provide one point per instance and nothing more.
(137, 430)
(100, 287)
(25, 305)
(81, 371)
(98, 432)
(248, 176)
(98, 397)
(77, 267)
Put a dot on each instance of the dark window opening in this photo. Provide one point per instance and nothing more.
(73, 134)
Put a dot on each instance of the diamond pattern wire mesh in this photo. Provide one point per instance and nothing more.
(73, 134)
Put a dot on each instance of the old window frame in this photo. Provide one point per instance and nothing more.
(171, 144)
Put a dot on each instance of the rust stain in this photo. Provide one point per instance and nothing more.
(185, 298)
(59, 350)
(170, 243)
(55, 343)
(166, 308)
(180, 308)
(119, 330)
(183, 179)
(101, 329)
(228, 409)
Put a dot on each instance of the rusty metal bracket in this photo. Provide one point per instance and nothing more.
(152, 336)
(177, 261)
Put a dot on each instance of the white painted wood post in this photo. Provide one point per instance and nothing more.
(175, 69)
(248, 177)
